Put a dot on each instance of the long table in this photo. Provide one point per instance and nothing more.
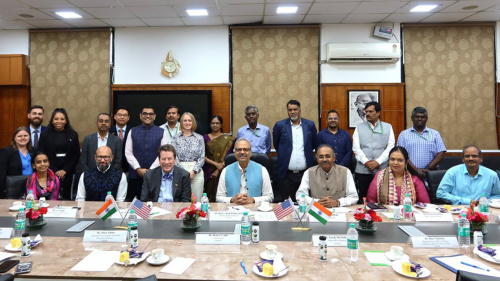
(60, 251)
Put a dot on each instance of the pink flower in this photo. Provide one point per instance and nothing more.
(368, 217)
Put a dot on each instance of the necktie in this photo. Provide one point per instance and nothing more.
(168, 177)
(36, 138)
(121, 134)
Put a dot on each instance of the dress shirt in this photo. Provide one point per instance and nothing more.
(298, 158)
(120, 195)
(32, 133)
(118, 130)
(102, 142)
(341, 143)
(129, 152)
(422, 148)
(360, 155)
(351, 195)
(260, 139)
(171, 132)
(27, 169)
(460, 187)
(166, 188)
(267, 190)
(190, 149)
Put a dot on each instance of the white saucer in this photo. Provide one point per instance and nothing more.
(397, 267)
(134, 261)
(152, 262)
(9, 248)
(263, 256)
(486, 256)
(256, 271)
(493, 205)
(265, 209)
(15, 209)
(389, 256)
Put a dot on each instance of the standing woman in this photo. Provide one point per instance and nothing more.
(191, 152)
(217, 147)
(60, 143)
(43, 182)
(15, 160)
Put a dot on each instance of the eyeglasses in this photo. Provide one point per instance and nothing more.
(102, 157)
(473, 156)
(148, 113)
(242, 149)
(121, 115)
(333, 118)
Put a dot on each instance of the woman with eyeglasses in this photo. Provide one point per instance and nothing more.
(43, 182)
(60, 143)
(217, 146)
(190, 149)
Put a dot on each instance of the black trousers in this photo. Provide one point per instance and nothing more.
(290, 185)
(65, 187)
(362, 183)
(134, 189)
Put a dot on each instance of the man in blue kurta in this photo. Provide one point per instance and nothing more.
(244, 182)
(466, 183)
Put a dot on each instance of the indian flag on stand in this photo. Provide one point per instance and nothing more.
(319, 212)
(107, 210)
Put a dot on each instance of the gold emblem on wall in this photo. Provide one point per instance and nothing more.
(170, 67)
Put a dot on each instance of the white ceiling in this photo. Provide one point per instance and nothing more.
(131, 13)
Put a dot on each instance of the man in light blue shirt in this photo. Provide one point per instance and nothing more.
(465, 183)
(258, 134)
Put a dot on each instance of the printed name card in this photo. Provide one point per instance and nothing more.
(433, 217)
(435, 242)
(225, 216)
(331, 240)
(217, 238)
(5, 232)
(61, 213)
(104, 236)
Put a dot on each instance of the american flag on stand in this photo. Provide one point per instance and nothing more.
(283, 209)
(141, 209)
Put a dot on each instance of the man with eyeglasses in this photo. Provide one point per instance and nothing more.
(258, 134)
(121, 130)
(337, 138)
(331, 184)
(97, 181)
(466, 183)
(245, 181)
(141, 150)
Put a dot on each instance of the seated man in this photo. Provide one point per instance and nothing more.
(95, 182)
(166, 183)
(244, 182)
(465, 183)
(332, 184)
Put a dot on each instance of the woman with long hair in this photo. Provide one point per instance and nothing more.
(43, 182)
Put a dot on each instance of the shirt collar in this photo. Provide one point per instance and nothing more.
(425, 129)
(247, 127)
(300, 124)
(105, 138)
(109, 166)
(479, 172)
(171, 172)
(175, 128)
(371, 125)
(331, 169)
(124, 128)
(33, 129)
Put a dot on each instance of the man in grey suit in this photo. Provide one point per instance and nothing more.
(166, 183)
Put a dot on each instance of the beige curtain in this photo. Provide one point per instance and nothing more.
(450, 70)
(272, 66)
(70, 69)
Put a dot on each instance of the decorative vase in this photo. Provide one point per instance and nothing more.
(190, 225)
(366, 227)
(481, 228)
(36, 223)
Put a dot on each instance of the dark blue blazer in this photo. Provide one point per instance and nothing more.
(282, 140)
(42, 129)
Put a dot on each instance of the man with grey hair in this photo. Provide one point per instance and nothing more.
(360, 103)
(245, 181)
(258, 134)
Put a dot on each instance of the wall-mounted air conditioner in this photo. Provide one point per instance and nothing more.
(363, 52)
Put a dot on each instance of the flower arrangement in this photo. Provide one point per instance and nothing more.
(476, 219)
(191, 213)
(35, 216)
(365, 216)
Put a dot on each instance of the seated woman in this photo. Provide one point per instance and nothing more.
(43, 182)
(390, 185)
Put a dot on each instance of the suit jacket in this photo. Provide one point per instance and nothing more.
(46, 145)
(112, 131)
(89, 147)
(42, 129)
(10, 165)
(181, 185)
(282, 140)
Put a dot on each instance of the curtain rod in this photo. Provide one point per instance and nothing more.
(70, 30)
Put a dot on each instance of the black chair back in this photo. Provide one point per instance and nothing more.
(498, 172)
(491, 162)
(7, 277)
(256, 157)
(449, 161)
(149, 278)
(469, 276)
(434, 178)
(15, 186)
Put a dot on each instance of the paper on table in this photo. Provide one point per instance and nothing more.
(265, 216)
(377, 258)
(388, 215)
(456, 263)
(333, 218)
(4, 256)
(342, 210)
(278, 265)
(178, 266)
(157, 211)
(97, 261)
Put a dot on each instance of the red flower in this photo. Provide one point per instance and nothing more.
(359, 217)
(202, 214)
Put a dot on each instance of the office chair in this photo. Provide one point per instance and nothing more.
(256, 157)
(434, 178)
(7, 277)
(469, 276)
(149, 278)
(15, 186)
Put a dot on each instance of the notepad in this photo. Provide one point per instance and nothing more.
(377, 258)
(454, 263)
(178, 266)
(97, 261)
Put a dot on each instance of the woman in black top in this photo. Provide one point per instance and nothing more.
(60, 143)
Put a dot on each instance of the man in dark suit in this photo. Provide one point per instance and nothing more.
(35, 117)
(121, 130)
(166, 183)
(294, 139)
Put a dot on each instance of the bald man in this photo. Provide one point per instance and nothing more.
(95, 182)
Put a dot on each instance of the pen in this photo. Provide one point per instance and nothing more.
(243, 266)
(475, 266)
(155, 213)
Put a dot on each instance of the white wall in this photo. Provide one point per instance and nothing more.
(14, 42)
(203, 53)
(357, 72)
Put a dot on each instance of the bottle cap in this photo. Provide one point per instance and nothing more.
(396, 204)
(352, 225)
(31, 192)
(255, 223)
(245, 213)
(322, 238)
(464, 215)
(21, 209)
(204, 194)
(132, 211)
(26, 234)
(133, 228)
(303, 195)
(109, 192)
(407, 194)
(483, 195)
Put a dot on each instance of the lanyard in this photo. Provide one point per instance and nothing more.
(373, 131)
(176, 130)
(254, 132)
(421, 135)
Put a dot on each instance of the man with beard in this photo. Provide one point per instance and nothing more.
(337, 138)
(97, 181)
(35, 117)
(172, 127)
(258, 134)
(466, 183)
(331, 184)
(245, 181)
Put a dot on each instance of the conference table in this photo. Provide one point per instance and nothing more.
(60, 251)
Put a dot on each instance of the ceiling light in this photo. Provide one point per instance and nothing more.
(423, 8)
(470, 7)
(27, 16)
(69, 15)
(198, 12)
(287, 10)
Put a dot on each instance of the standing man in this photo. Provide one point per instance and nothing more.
(141, 150)
(372, 141)
(35, 117)
(424, 145)
(258, 134)
(294, 139)
(121, 130)
(172, 126)
(337, 138)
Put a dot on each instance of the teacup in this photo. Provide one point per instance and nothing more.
(495, 201)
(17, 204)
(264, 205)
(396, 252)
(158, 255)
(271, 251)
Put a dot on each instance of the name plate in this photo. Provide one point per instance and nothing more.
(225, 216)
(5, 232)
(103, 236)
(435, 242)
(433, 217)
(331, 240)
(61, 213)
(217, 238)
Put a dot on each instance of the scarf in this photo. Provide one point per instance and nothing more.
(52, 185)
(386, 187)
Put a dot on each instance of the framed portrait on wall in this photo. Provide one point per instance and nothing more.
(357, 101)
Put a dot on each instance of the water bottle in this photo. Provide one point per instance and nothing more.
(132, 221)
(407, 213)
(302, 207)
(245, 229)
(20, 223)
(483, 205)
(29, 200)
(352, 243)
(205, 205)
(255, 232)
(396, 212)
(478, 239)
(464, 232)
(109, 196)
(41, 202)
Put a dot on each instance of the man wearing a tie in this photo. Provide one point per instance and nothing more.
(35, 117)
(121, 130)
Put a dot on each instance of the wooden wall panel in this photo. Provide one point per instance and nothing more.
(14, 106)
(14, 70)
(497, 114)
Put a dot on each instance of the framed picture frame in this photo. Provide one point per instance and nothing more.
(357, 100)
